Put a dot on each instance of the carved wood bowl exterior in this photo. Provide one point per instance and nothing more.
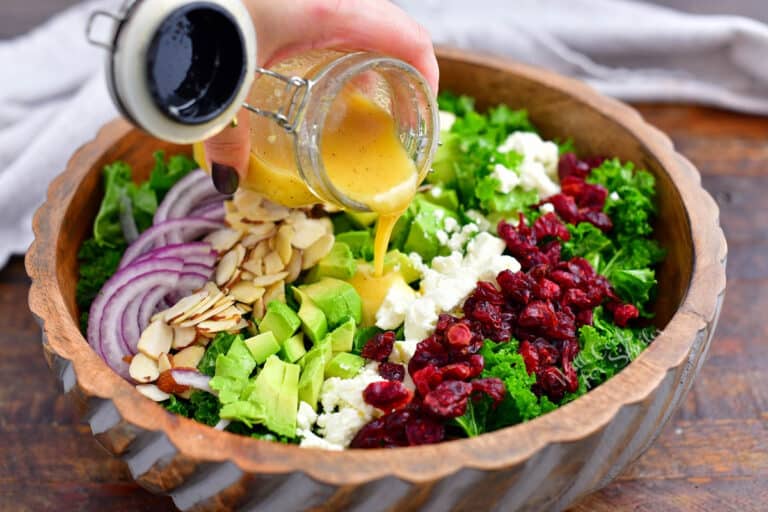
(546, 463)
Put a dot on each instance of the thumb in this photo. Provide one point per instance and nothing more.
(227, 154)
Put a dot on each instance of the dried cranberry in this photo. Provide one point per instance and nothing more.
(623, 313)
(548, 225)
(476, 365)
(392, 371)
(424, 430)
(372, 435)
(387, 395)
(537, 314)
(546, 290)
(581, 267)
(449, 399)
(566, 207)
(426, 379)
(570, 165)
(530, 356)
(492, 387)
(517, 286)
(599, 219)
(570, 349)
(456, 371)
(487, 292)
(584, 317)
(573, 186)
(553, 382)
(379, 347)
(565, 278)
(592, 197)
(428, 351)
(578, 298)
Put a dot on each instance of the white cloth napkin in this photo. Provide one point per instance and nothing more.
(53, 96)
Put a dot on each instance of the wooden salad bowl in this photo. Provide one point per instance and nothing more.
(546, 463)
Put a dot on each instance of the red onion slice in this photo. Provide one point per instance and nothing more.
(188, 228)
(222, 424)
(213, 210)
(130, 327)
(150, 304)
(176, 193)
(190, 252)
(109, 340)
(192, 378)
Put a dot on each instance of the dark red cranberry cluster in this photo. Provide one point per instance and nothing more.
(578, 200)
(445, 370)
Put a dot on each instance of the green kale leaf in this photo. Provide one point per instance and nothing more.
(165, 174)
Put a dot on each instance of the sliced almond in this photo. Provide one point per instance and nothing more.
(243, 308)
(186, 304)
(259, 252)
(276, 292)
(152, 392)
(317, 251)
(189, 357)
(262, 229)
(254, 267)
(227, 314)
(307, 232)
(269, 280)
(223, 240)
(164, 362)
(195, 320)
(233, 280)
(283, 243)
(242, 324)
(296, 216)
(143, 369)
(294, 266)
(258, 309)
(200, 308)
(327, 224)
(156, 339)
(217, 325)
(273, 263)
(183, 337)
(246, 292)
(246, 276)
(226, 267)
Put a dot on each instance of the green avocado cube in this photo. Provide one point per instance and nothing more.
(311, 381)
(396, 261)
(344, 365)
(444, 197)
(276, 392)
(339, 263)
(359, 242)
(293, 348)
(262, 346)
(313, 321)
(422, 235)
(281, 320)
(323, 350)
(342, 337)
(362, 219)
(337, 299)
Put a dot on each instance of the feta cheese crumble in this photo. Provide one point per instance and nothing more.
(446, 284)
(345, 411)
(538, 170)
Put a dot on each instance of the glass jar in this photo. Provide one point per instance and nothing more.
(181, 70)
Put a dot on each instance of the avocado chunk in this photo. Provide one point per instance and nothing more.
(343, 336)
(445, 197)
(311, 381)
(337, 299)
(362, 219)
(323, 350)
(279, 320)
(400, 231)
(344, 365)
(359, 242)
(274, 395)
(313, 321)
(339, 263)
(422, 235)
(396, 261)
(233, 370)
(262, 346)
(293, 348)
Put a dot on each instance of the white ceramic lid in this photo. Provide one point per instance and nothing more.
(153, 79)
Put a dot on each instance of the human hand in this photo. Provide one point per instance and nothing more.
(291, 27)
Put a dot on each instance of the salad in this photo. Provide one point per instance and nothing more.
(519, 278)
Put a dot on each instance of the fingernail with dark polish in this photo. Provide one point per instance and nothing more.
(225, 178)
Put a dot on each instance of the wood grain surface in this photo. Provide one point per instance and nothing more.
(712, 456)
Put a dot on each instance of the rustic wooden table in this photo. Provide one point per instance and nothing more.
(712, 456)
